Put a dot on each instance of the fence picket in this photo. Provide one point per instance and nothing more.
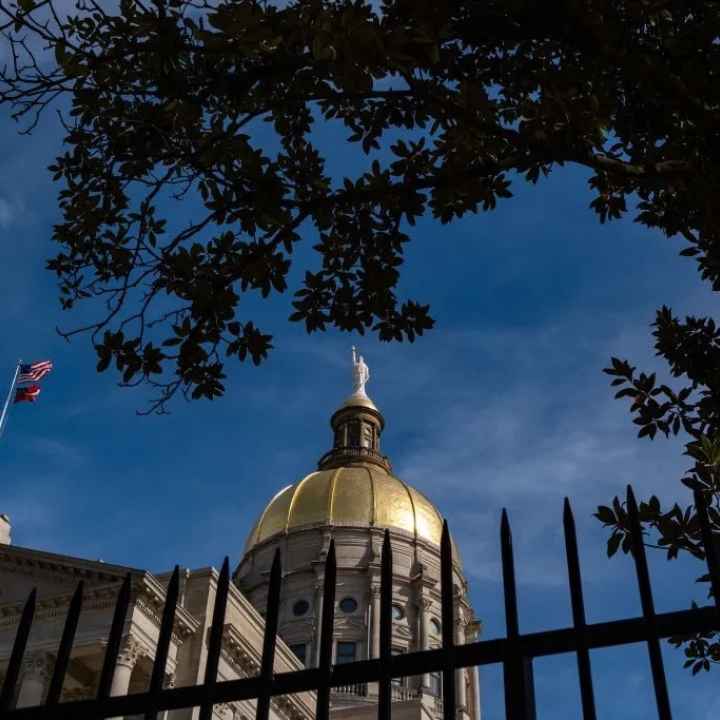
(386, 577)
(114, 640)
(515, 651)
(447, 621)
(519, 688)
(65, 647)
(587, 696)
(215, 642)
(163, 643)
(662, 699)
(322, 707)
(267, 662)
(18, 651)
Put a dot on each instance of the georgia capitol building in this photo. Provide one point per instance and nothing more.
(352, 497)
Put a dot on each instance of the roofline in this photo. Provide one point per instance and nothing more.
(38, 556)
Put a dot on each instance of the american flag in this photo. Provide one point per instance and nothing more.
(34, 371)
(27, 394)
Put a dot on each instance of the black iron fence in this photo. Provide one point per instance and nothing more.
(515, 651)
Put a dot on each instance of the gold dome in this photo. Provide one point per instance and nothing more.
(354, 485)
(364, 495)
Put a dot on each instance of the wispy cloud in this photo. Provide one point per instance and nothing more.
(57, 452)
(7, 213)
(524, 446)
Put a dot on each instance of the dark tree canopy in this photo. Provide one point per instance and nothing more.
(164, 93)
(164, 96)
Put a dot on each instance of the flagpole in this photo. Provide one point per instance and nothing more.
(9, 396)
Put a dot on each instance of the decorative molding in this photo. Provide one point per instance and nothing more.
(474, 629)
(286, 706)
(48, 608)
(222, 709)
(150, 598)
(145, 597)
(54, 614)
(181, 630)
(291, 624)
(241, 656)
(78, 693)
(236, 652)
(424, 602)
(131, 651)
(63, 567)
(39, 665)
(348, 623)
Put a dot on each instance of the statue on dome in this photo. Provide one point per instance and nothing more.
(361, 373)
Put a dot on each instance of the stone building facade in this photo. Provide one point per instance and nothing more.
(352, 497)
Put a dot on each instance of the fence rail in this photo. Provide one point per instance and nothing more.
(515, 651)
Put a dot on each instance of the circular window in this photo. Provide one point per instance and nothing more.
(397, 612)
(436, 627)
(348, 605)
(300, 607)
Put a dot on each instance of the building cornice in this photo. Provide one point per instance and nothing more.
(150, 599)
(47, 608)
(148, 594)
(17, 559)
(245, 659)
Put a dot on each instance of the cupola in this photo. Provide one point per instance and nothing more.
(357, 425)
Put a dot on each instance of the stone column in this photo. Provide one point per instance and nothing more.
(168, 683)
(476, 692)
(460, 686)
(472, 634)
(424, 604)
(126, 659)
(318, 621)
(36, 677)
(375, 621)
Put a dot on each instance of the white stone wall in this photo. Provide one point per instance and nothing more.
(5, 528)
(56, 578)
(416, 592)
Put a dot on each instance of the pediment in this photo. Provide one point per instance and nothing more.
(22, 569)
(56, 578)
(17, 583)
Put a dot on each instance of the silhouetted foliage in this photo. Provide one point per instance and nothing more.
(692, 351)
(164, 95)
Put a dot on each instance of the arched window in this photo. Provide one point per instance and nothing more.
(340, 437)
(300, 608)
(353, 436)
(348, 605)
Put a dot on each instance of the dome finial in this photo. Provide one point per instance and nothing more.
(361, 373)
(360, 376)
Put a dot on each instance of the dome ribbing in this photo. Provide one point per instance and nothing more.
(363, 495)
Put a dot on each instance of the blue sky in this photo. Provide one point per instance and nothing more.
(502, 405)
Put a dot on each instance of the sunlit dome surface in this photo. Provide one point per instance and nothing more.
(362, 495)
